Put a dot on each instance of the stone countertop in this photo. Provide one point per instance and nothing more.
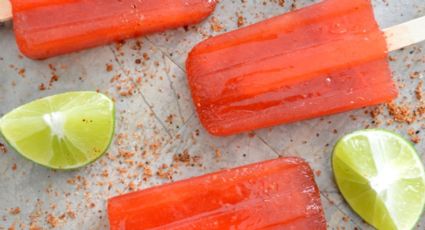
(158, 136)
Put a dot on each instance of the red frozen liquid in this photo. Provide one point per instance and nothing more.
(277, 194)
(324, 59)
(46, 28)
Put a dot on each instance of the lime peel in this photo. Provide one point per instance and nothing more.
(64, 131)
(382, 178)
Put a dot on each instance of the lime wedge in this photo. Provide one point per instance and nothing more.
(381, 177)
(64, 131)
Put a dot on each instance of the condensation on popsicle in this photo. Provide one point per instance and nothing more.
(320, 60)
(277, 194)
(46, 28)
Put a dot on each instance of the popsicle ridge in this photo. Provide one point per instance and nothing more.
(278, 70)
(49, 28)
(275, 194)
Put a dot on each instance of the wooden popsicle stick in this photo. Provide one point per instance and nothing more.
(5, 10)
(405, 34)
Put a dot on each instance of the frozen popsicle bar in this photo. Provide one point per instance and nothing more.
(277, 194)
(320, 60)
(45, 28)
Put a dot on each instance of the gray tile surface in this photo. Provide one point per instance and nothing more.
(156, 121)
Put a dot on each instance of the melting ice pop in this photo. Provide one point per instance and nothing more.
(277, 194)
(324, 59)
(46, 28)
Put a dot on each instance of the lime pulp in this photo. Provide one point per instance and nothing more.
(64, 131)
(381, 177)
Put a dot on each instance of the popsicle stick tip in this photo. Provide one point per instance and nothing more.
(405, 34)
(5, 10)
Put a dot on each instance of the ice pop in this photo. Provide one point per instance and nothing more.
(45, 28)
(277, 194)
(326, 58)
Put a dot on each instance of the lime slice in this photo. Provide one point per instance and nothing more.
(381, 177)
(64, 131)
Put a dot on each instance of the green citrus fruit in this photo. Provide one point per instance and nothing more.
(381, 177)
(64, 131)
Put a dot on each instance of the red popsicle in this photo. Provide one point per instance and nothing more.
(277, 194)
(320, 60)
(46, 28)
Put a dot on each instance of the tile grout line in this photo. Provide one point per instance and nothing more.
(175, 94)
(183, 128)
(141, 93)
(166, 55)
(185, 123)
(268, 145)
